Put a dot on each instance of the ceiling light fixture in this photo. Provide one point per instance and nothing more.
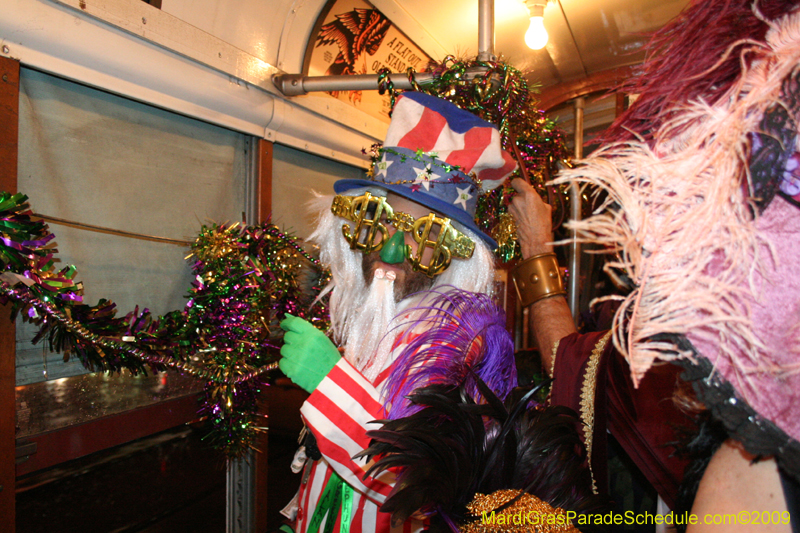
(536, 36)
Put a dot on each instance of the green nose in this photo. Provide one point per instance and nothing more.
(394, 251)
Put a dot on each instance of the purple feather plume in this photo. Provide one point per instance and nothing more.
(450, 334)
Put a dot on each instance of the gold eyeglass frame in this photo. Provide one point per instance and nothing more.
(450, 242)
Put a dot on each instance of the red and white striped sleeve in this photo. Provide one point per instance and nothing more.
(339, 413)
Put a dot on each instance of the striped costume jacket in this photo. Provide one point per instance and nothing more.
(339, 413)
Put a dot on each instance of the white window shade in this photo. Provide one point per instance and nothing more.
(295, 174)
(94, 158)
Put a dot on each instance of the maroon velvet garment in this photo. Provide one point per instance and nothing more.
(643, 420)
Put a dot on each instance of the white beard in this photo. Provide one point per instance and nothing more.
(366, 344)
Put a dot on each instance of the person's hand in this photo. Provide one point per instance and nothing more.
(308, 355)
(533, 218)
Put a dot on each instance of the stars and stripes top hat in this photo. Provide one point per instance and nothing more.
(439, 156)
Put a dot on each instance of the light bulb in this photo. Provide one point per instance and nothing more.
(536, 36)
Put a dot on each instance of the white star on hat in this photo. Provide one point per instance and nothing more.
(382, 166)
(463, 196)
(424, 176)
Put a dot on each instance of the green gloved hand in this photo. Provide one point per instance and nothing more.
(308, 355)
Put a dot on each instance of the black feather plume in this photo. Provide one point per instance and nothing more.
(453, 448)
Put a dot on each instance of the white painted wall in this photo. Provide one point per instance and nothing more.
(253, 26)
(208, 59)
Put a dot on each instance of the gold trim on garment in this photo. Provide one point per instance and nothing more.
(588, 391)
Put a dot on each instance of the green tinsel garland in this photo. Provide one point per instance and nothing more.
(247, 279)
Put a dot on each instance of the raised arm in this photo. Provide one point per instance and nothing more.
(550, 317)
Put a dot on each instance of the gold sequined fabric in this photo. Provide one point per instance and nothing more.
(527, 514)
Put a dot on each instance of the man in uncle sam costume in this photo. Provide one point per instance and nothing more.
(411, 304)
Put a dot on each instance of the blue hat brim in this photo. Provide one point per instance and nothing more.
(448, 210)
